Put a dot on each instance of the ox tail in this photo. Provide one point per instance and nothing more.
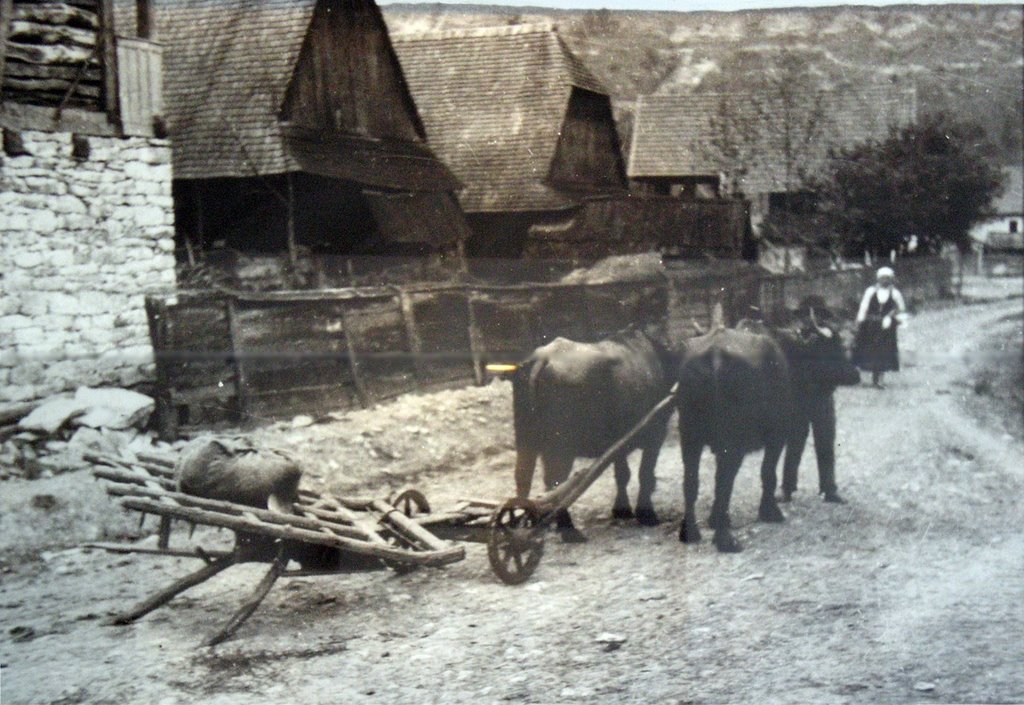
(525, 410)
(717, 397)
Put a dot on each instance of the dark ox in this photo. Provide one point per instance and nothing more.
(575, 400)
(740, 391)
(817, 364)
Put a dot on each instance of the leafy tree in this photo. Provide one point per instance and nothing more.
(930, 180)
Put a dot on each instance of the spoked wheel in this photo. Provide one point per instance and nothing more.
(410, 502)
(516, 542)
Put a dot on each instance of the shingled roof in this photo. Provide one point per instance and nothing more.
(673, 134)
(493, 101)
(227, 67)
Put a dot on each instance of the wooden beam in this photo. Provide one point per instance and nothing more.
(167, 594)
(250, 605)
(110, 83)
(56, 13)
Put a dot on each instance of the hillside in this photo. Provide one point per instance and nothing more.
(963, 59)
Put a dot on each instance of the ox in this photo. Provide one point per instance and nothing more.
(574, 399)
(740, 391)
(817, 366)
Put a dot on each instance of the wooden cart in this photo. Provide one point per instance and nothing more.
(514, 530)
(368, 534)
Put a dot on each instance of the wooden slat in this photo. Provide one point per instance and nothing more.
(56, 13)
(51, 54)
(37, 33)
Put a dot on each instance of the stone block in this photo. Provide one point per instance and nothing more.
(14, 323)
(27, 336)
(44, 222)
(62, 258)
(62, 303)
(28, 260)
(14, 221)
(68, 204)
(46, 185)
(18, 392)
(34, 303)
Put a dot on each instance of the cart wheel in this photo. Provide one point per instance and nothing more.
(515, 544)
(410, 502)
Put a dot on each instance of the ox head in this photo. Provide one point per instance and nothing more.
(814, 347)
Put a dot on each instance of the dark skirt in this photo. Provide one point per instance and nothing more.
(875, 349)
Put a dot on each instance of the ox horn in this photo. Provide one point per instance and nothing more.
(822, 331)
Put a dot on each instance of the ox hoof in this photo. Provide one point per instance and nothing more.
(622, 513)
(834, 498)
(725, 543)
(647, 517)
(786, 497)
(770, 512)
(572, 535)
(688, 532)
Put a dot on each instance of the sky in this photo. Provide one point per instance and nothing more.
(679, 5)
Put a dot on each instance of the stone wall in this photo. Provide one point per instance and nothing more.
(82, 240)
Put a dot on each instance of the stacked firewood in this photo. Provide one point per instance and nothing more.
(54, 54)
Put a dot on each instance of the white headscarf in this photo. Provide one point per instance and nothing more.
(885, 272)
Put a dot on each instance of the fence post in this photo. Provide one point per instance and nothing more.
(166, 414)
(412, 334)
(241, 383)
(353, 361)
(475, 343)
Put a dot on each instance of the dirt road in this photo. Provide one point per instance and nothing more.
(911, 592)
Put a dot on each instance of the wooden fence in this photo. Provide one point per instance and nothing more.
(264, 355)
(247, 355)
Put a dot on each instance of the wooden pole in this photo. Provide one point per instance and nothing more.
(167, 594)
(412, 334)
(353, 361)
(293, 255)
(475, 340)
(174, 552)
(572, 489)
(250, 605)
(237, 354)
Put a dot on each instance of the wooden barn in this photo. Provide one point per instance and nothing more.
(294, 131)
(700, 146)
(525, 126)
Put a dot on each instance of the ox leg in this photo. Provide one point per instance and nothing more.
(794, 453)
(526, 464)
(825, 450)
(556, 471)
(769, 509)
(727, 465)
(621, 508)
(645, 513)
(688, 531)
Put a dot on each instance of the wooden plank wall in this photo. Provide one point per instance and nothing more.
(54, 53)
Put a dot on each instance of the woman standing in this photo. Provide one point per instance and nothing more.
(881, 311)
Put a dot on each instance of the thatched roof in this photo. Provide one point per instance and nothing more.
(674, 135)
(493, 102)
(227, 67)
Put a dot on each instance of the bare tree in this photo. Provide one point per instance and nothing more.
(775, 130)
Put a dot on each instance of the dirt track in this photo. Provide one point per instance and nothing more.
(912, 592)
